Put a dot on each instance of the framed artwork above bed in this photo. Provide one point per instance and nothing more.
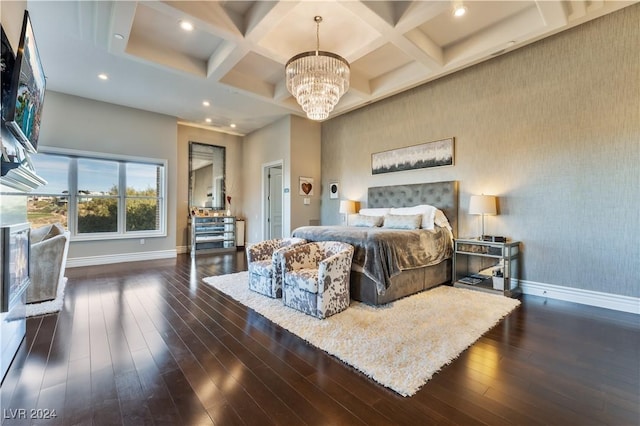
(430, 154)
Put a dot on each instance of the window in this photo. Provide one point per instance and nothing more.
(143, 182)
(50, 204)
(99, 197)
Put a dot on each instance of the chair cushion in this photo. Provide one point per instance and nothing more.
(261, 267)
(304, 279)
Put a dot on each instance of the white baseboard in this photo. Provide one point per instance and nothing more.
(586, 297)
(119, 258)
(182, 249)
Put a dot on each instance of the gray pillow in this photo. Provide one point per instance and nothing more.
(396, 221)
(365, 221)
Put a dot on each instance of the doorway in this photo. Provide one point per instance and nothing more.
(273, 201)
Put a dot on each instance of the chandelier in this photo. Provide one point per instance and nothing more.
(317, 79)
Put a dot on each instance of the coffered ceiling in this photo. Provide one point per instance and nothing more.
(234, 57)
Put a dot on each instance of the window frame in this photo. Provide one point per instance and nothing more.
(121, 233)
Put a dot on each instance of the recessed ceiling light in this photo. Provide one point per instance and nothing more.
(233, 125)
(459, 10)
(118, 36)
(103, 76)
(205, 103)
(186, 25)
(208, 120)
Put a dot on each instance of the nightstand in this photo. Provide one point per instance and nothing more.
(487, 266)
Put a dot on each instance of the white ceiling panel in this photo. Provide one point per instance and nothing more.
(235, 56)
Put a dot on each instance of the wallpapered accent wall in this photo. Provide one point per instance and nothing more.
(552, 129)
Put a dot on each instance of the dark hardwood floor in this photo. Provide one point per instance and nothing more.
(150, 343)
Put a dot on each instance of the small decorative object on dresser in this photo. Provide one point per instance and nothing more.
(488, 266)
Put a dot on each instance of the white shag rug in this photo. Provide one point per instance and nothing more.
(50, 306)
(399, 345)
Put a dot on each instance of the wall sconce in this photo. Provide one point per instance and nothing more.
(482, 205)
(347, 207)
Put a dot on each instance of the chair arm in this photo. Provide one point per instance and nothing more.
(44, 245)
(277, 260)
(47, 265)
(336, 268)
(262, 250)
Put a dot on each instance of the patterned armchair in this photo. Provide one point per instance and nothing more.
(49, 247)
(265, 270)
(316, 277)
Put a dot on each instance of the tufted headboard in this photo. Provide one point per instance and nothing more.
(443, 195)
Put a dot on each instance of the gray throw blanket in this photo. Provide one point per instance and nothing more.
(383, 253)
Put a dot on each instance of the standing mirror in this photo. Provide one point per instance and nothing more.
(206, 176)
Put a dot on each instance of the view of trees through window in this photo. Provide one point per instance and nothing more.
(98, 205)
(46, 210)
(51, 204)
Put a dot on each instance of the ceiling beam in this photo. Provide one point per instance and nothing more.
(552, 13)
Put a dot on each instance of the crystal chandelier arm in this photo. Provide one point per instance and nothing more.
(318, 19)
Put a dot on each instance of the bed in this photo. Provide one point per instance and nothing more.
(383, 269)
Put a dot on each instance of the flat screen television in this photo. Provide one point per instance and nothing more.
(23, 110)
(7, 61)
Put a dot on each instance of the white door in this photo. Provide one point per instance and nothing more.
(274, 202)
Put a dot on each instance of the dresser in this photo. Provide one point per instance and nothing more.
(212, 234)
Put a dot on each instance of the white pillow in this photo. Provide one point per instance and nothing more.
(402, 221)
(374, 212)
(365, 221)
(441, 220)
(427, 212)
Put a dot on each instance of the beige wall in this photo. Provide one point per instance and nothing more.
(233, 166)
(305, 162)
(11, 15)
(77, 123)
(553, 129)
(268, 145)
(295, 142)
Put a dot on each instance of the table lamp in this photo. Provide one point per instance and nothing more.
(347, 207)
(482, 205)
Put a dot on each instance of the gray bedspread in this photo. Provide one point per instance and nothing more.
(383, 253)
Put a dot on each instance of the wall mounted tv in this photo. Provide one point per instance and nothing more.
(24, 103)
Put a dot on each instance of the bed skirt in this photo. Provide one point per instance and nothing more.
(404, 284)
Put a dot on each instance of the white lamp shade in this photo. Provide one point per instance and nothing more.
(347, 206)
(482, 204)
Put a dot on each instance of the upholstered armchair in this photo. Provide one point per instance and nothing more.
(265, 270)
(316, 277)
(49, 247)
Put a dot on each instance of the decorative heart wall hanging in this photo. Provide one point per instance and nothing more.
(305, 186)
